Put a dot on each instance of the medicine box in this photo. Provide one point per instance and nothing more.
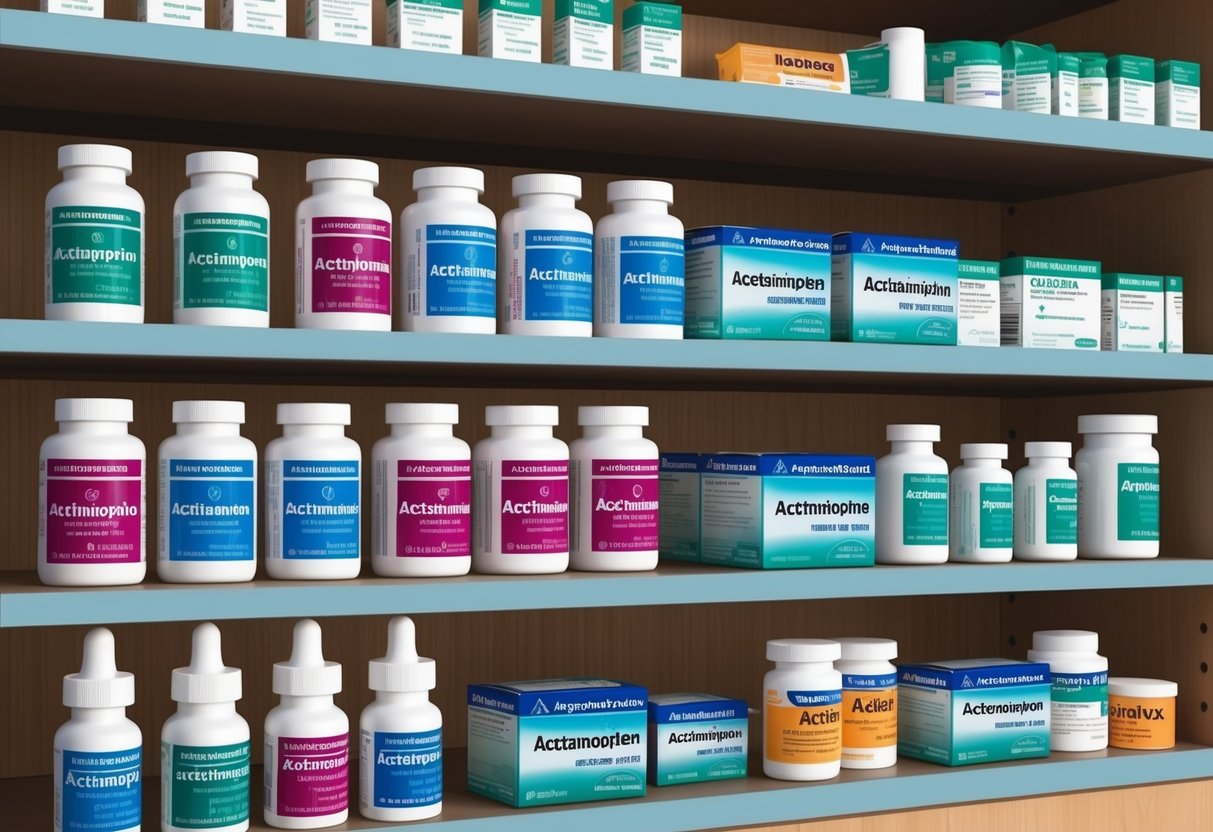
(189, 13)
(1173, 301)
(1177, 94)
(978, 304)
(1133, 313)
(694, 737)
(1052, 303)
(339, 21)
(752, 63)
(511, 29)
(678, 498)
(256, 17)
(80, 8)
(1131, 89)
(652, 39)
(426, 25)
(584, 34)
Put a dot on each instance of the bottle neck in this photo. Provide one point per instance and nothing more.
(1099, 441)
(113, 176)
(913, 447)
(94, 428)
(315, 431)
(982, 462)
(417, 430)
(98, 716)
(612, 432)
(409, 698)
(354, 187)
(447, 193)
(546, 201)
(640, 206)
(521, 432)
(226, 429)
(212, 710)
(221, 179)
(307, 703)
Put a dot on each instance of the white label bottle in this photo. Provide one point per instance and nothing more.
(221, 243)
(869, 702)
(400, 778)
(313, 495)
(208, 496)
(448, 254)
(640, 278)
(802, 710)
(1046, 504)
(546, 259)
(1119, 493)
(981, 505)
(94, 238)
(912, 498)
(613, 476)
(98, 752)
(204, 746)
(423, 494)
(307, 740)
(343, 249)
(520, 493)
(91, 522)
(1079, 712)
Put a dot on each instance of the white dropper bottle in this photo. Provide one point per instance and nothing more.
(401, 770)
(204, 747)
(98, 752)
(307, 740)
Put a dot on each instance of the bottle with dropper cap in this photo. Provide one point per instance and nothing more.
(401, 771)
(98, 752)
(307, 740)
(204, 747)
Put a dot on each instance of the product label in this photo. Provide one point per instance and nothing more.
(204, 787)
(307, 777)
(404, 768)
(93, 511)
(461, 270)
(94, 255)
(1051, 303)
(317, 504)
(98, 791)
(510, 29)
(210, 512)
(1137, 501)
(434, 508)
(1141, 723)
(1080, 705)
(652, 280)
(996, 516)
(624, 499)
(1061, 511)
(694, 737)
(262, 17)
(924, 509)
(223, 261)
(584, 34)
(652, 39)
(869, 713)
(534, 507)
(343, 21)
(428, 25)
(351, 265)
(559, 276)
(803, 726)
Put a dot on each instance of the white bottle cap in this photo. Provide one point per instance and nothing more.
(402, 670)
(94, 410)
(1141, 688)
(547, 183)
(99, 684)
(902, 33)
(983, 450)
(1062, 450)
(206, 680)
(1065, 641)
(1108, 423)
(306, 673)
(231, 413)
(419, 413)
(448, 177)
(359, 169)
(803, 650)
(95, 155)
(614, 415)
(912, 433)
(860, 649)
(313, 413)
(221, 161)
(522, 415)
(640, 189)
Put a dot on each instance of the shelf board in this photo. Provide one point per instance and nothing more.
(262, 91)
(26, 603)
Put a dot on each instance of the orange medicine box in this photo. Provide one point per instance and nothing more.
(754, 64)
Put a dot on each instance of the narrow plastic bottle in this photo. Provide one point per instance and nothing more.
(912, 498)
(981, 506)
(869, 702)
(1046, 504)
(1078, 718)
(802, 710)
(1119, 505)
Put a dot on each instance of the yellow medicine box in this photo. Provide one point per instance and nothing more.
(753, 64)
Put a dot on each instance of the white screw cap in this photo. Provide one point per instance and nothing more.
(402, 670)
(1112, 423)
(1057, 450)
(221, 161)
(99, 684)
(95, 155)
(1065, 641)
(615, 415)
(803, 650)
(522, 414)
(448, 177)
(859, 649)
(419, 413)
(912, 433)
(313, 413)
(206, 680)
(230, 413)
(640, 189)
(306, 673)
(94, 410)
(983, 450)
(358, 169)
(547, 183)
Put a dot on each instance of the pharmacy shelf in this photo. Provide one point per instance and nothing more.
(71, 349)
(178, 83)
(26, 603)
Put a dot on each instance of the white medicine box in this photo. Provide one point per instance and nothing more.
(254, 17)
(191, 13)
(510, 29)
(340, 21)
(79, 8)
(426, 25)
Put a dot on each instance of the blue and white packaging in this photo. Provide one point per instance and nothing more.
(678, 498)
(695, 737)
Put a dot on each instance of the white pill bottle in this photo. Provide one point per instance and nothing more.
(1118, 487)
(869, 702)
(1079, 710)
(981, 506)
(1046, 504)
(802, 710)
(912, 498)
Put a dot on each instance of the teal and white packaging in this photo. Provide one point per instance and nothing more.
(584, 34)
(869, 70)
(1131, 89)
(895, 290)
(1177, 94)
(978, 304)
(694, 737)
(958, 713)
(678, 498)
(557, 741)
(1133, 313)
(510, 29)
(788, 511)
(936, 73)
(1052, 303)
(1173, 303)
(972, 73)
(1027, 77)
(652, 39)
(1065, 85)
(426, 25)
(1092, 85)
(757, 283)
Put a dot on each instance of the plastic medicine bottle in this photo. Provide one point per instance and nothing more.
(313, 495)
(208, 496)
(520, 493)
(1046, 504)
(981, 504)
(802, 710)
(221, 243)
(91, 524)
(613, 477)
(869, 702)
(99, 740)
(343, 249)
(204, 746)
(401, 762)
(912, 498)
(639, 277)
(1118, 488)
(307, 740)
(94, 238)
(1079, 711)
(546, 259)
(448, 254)
(423, 494)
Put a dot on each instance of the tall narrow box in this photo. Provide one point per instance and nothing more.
(1131, 89)
(1177, 94)
(1133, 313)
(1173, 300)
(339, 21)
(254, 17)
(425, 25)
(584, 34)
(978, 304)
(678, 498)
(652, 39)
(511, 29)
